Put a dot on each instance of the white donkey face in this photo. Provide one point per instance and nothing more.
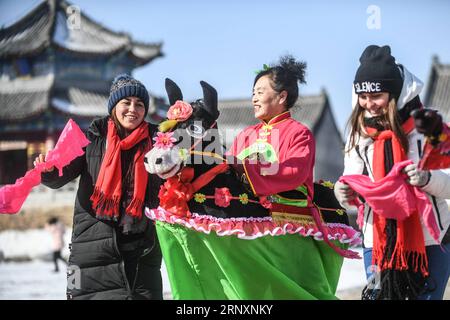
(163, 162)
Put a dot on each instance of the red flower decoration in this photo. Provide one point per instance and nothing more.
(180, 111)
(175, 194)
(222, 197)
(265, 202)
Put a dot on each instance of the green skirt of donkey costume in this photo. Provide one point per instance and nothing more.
(208, 266)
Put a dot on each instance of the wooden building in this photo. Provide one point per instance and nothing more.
(52, 69)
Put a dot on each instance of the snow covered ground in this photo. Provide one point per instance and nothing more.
(35, 280)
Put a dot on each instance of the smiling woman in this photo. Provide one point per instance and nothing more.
(128, 114)
(114, 248)
(374, 103)
(409, 262)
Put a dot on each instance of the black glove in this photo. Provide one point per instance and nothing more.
(428, 122)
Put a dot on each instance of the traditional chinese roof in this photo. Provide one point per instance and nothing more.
(438, 88)
(26, 98)
(23, 98)
(47, 26)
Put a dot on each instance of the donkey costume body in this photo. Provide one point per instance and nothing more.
(219, 241)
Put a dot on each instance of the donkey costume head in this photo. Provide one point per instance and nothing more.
(189, 125)
(189, 140)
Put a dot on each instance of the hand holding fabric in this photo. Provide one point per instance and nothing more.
(40, 159)
(417, 177)
(69, 146)
(344, 193)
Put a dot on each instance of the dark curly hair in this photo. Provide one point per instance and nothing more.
(284, 76)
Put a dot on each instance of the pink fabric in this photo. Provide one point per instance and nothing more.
(393, 198)
(69, 146)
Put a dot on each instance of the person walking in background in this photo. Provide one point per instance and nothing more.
(57, 231)
(411, 263)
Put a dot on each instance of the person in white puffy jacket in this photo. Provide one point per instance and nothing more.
(409, 264)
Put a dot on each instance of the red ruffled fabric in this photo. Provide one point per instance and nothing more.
(252, 228)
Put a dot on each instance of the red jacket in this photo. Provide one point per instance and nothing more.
(287, 145)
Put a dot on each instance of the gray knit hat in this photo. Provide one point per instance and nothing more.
(124, 86)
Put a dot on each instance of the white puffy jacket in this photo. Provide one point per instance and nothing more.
(437, 189)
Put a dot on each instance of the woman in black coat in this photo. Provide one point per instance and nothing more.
(114, 252)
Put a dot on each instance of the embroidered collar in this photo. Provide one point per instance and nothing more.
(277, 119)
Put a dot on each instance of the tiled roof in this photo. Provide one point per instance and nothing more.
(81, 102)
(29, 34)
(24, 98)
(44, 122)
(438, 88)
(46, 25)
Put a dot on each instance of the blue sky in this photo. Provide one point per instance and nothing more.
(224, 42)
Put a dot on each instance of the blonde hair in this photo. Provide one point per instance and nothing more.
(389, 120)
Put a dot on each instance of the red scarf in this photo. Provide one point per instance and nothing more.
(108, 188)
(410, 244)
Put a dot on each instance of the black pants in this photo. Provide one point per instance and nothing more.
(145, 280)
(56, 256)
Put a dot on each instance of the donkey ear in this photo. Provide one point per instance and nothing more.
(210, 99)
(173, 91)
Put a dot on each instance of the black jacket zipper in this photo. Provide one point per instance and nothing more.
(367, 219)
(122, 263)
(436, 209)
(146, 252)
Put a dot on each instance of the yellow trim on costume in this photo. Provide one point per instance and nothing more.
(281, 121)
(267, 127)
(211, 154)
(280, 217)
(248, 178)
(320, 212)
(273, 122)
(328, 184)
